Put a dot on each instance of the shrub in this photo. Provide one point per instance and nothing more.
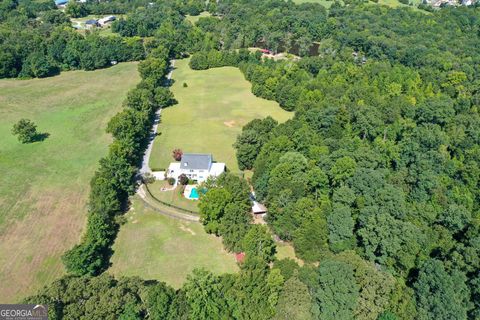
(183, 179)
(171, 181)
(148, 178)
(177, 154)
(185, 85)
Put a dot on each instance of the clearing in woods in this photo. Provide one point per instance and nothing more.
(212, 109)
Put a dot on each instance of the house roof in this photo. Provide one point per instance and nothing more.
(91, 21)
(257, 207)
(196, 161)
(60, 2)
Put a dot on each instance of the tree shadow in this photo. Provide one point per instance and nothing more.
(40, 136)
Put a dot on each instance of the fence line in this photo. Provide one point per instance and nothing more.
(169, 204)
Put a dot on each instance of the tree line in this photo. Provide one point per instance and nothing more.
(115, 180)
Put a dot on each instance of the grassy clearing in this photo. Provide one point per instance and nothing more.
(209, 115)
(153, 246)
(194, 19)
(174, 197)
(44, 185)
(326, 3)
(79, 24)
(286, 250)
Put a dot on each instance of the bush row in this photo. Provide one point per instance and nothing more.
(213, 59)
(115, 180)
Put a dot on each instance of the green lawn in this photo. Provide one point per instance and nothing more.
(326, 3)
(286, 251)
(174, 197)
(44, 185)
(210, 114)
(153, 246)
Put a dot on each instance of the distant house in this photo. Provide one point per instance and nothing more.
(196, 166)
(59, 3)
(103, 21)
(91, 23)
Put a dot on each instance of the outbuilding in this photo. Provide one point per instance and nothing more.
(91, 23)
(60, 3)
(107, 19)
(258, 209)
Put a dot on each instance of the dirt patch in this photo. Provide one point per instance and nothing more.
(230, 123)
(186, 229)
(30, 249)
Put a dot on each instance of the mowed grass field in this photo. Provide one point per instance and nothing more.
(209, 115)
(44, 185)
(153, 246)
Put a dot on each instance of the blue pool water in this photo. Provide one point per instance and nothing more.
(194, 194)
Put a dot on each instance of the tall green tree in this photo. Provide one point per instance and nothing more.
(258, 242)
(441, 295)
(26, 130)
(294, 302)
(337, 292)
(203, 294)
(212, 207)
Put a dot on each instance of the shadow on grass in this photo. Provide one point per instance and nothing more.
(40, 136)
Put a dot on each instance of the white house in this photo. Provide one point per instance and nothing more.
(196, 166)
(103, 21)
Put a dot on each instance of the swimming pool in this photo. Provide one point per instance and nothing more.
(194, 194)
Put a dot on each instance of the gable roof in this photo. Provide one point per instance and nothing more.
(196, 161)
(257, 208)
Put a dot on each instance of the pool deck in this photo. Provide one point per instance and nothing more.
(188, 191)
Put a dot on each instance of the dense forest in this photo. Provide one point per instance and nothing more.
(374, 181)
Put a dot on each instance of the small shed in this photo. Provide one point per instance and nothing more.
(91, 23)
(61, 2)
(258, 209)
(106, 20)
